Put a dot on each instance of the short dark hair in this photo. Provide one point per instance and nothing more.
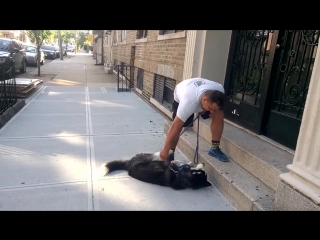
(215, 96)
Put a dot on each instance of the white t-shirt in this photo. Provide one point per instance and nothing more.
(188, 94)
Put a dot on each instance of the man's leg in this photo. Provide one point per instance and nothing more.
(216, 127)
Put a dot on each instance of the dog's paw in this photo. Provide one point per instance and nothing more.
(190, 164)
(200, 166)
(178, 163)
(103, 170)
(156, 156)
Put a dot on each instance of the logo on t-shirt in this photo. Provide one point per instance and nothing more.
(199, 83)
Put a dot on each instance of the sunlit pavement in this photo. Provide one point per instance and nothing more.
(51, 150)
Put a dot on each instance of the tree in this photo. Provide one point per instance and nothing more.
(54, 35)
(38, 36)
(67, 35)
(82, 37)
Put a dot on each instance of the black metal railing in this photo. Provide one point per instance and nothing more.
(125, 77)
(8, 94)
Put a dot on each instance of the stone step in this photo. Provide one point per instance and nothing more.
(258, 155)
(240, 187)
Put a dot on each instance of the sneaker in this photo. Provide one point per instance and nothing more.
(217, 153)
(171, 157)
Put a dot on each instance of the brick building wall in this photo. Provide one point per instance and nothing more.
(156, 54)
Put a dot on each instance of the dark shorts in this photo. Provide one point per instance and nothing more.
(175, 106)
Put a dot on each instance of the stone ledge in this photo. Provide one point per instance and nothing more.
(289, 199)
(172, 36)
(141, 40)
(162, 108)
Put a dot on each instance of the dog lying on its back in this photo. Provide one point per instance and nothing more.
(148, 167)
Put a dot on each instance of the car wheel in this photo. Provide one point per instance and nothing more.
(24, 67)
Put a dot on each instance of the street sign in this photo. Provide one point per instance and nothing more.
(90, 37)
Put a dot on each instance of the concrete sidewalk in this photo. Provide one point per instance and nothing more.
(50, 151)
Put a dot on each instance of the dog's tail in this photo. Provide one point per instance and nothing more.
(114, 166)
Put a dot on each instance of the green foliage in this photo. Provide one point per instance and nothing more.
(38, 36)
(67, 35)
(54, 34)
(82, 37)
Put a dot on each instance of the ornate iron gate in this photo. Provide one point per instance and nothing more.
(267, 80)
(291, 77)
(247, 76)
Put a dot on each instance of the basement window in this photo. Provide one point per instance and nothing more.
(163, 90)
(142, 34)
(164, 32)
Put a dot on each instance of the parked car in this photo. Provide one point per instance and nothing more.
(70, 48)
(57, 49)
(49, 51)
(32, 55)
(64, 51)
(12, 50)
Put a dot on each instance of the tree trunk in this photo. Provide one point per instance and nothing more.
(38, 60)
(38, 50)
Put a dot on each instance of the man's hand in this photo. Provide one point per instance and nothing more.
(172, 138)
(164, 154)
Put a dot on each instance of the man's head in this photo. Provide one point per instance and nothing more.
(212, 100)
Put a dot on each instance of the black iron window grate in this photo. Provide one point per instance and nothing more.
(142, 34)
(163, 32)
(163, 90)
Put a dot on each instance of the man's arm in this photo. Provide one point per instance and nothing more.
(172, 137)
(173, 133)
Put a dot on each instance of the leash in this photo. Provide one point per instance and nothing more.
(196, 153)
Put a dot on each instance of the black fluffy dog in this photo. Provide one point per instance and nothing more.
(148, 167)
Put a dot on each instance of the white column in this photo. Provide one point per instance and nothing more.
(189, 54)
(304, 172)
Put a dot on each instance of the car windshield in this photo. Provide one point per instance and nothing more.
(30, 49)
(4, 44)
(48, 47)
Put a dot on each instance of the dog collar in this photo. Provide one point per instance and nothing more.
(182, 167)
(183, 180)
